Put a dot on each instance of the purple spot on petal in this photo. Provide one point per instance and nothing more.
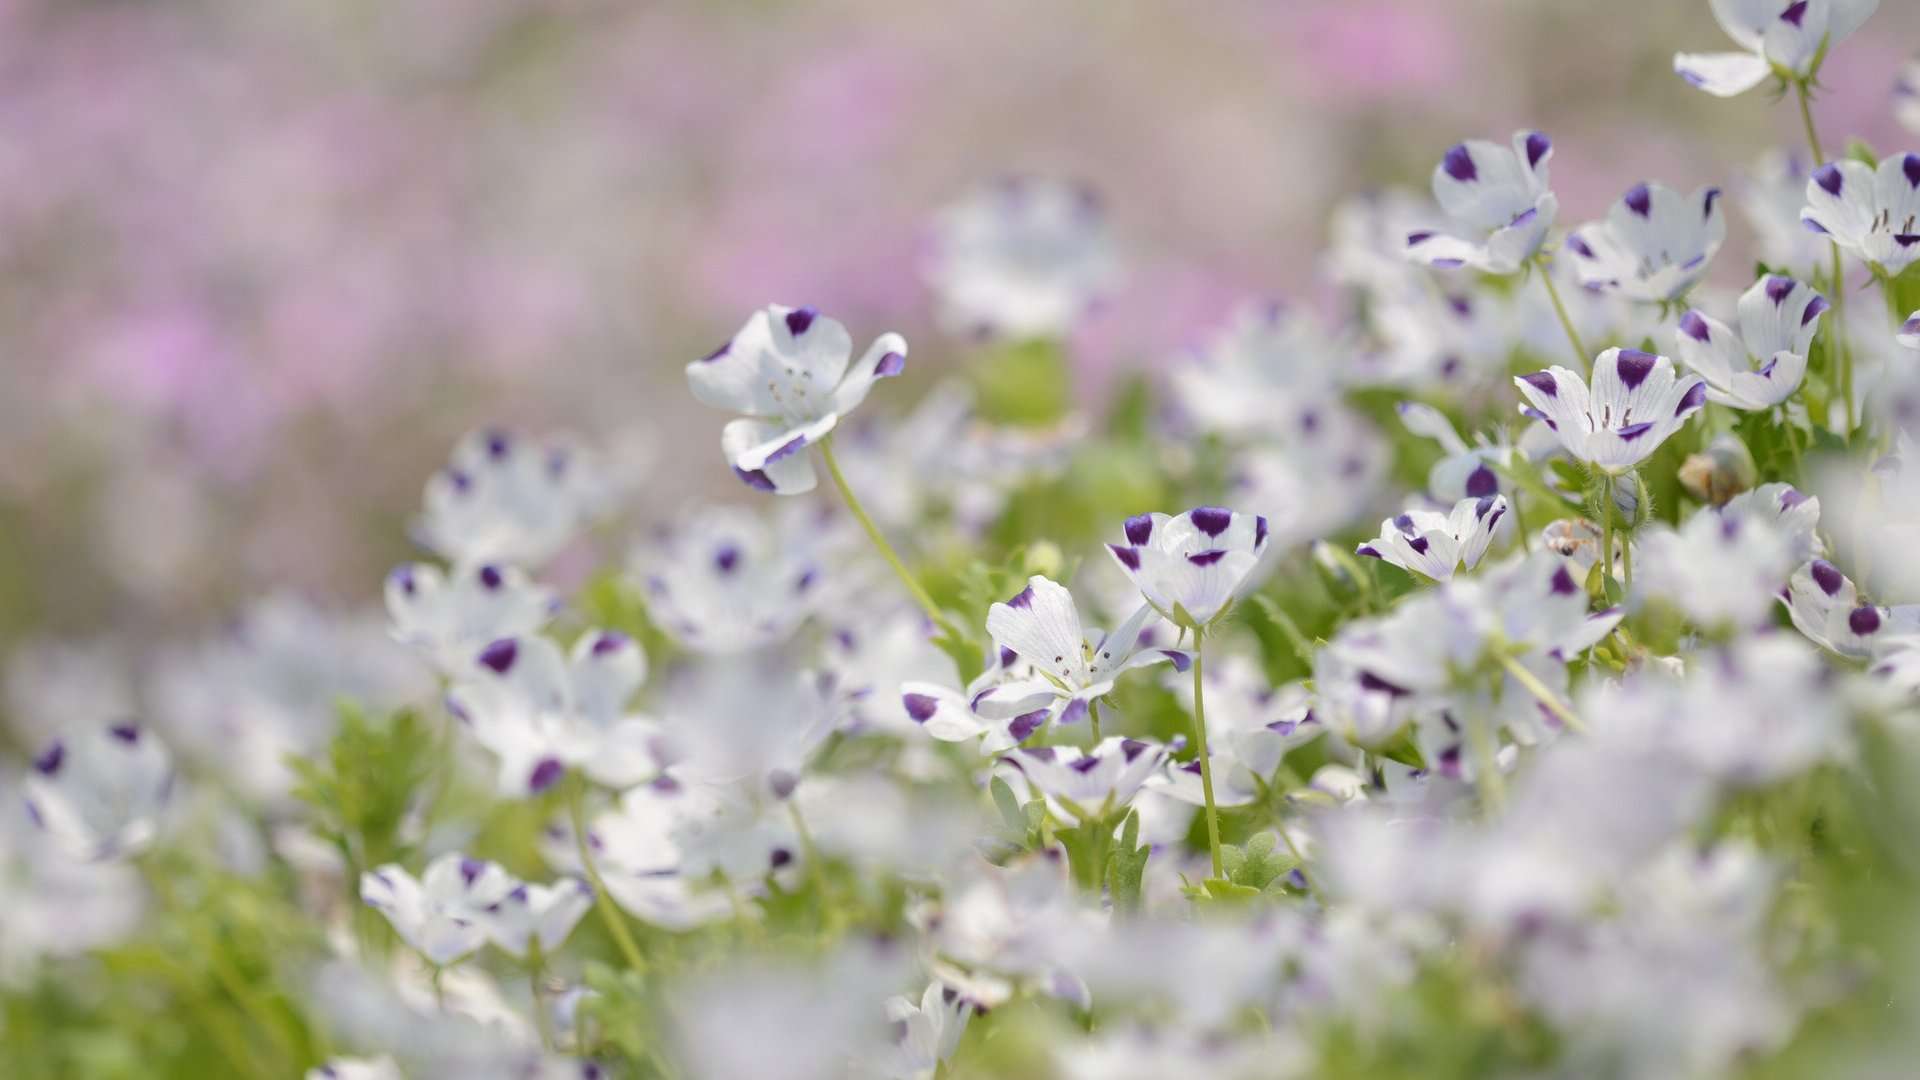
(1181, 661)
(126, 733)
(800, 320)
(1368, 550)
(919, 706)
(609, 641)
(1139, 529)
(1007, 657)
(1695, 397)
(1816, 307)
(1206, 558)
(1419, 545)
(1415, 239)
(792, 446)
(1022, 599)
(545, 774)
(1580, 247)
(1633, 366)
(49, 760)
(1778, 289)
(1827, 576)
(1639, 200)
(1075, 712)
(1212, 520)
(499, 656)
(1459, 164)
(717, 353)
(1830, 178)
(1482, 481)
(890, 365)
(1795, 12)
(1708, 201)
(497, 445)
(1864, 621)
(1537, 146)
(1634, 431)
(1562, 582)
(726, 559)
(1023, 726)
(754, 478)
(1370, 681)
(1694, 325)
(471, 869)
(490, 578)
(1259, 530)
(1129, 557)
(1791, 498)
(1542, 381)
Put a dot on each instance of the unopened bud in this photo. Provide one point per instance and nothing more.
(1632, 502)
(1721, 471)
(1044, 557)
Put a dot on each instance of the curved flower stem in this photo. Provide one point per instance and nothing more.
(919, 592)
(1837, 328)
(609, 912)
(1206, 761)
(1093, 717)
(1566, 321)
(1547, 698)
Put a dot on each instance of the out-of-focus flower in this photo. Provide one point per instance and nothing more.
(1088, 785)
(723, 582)
(100, 795)
(788, 371)
(1762, 364)
(442, 914)
(542, 713)
(637, 855)
(1466, 472)
(1909, 336)
(1725, 469)
(56, 905)
(1826, 608)
(1190, 568)
(925, 1033)
(1771, 195)
(1041, 625)
(1636, 401)
(949, 715)
(1906, 97)
(1795, 516)
(1788, 40)
(1323, 471)
(1025, 257)
(1654, 244)
(1723, 568)
(451, 618)
(380, 1068)
(1869, 212)
(507, 499)
(1251, 725)
(542, 913)
(1434, 545)
(1270, 359)
(1498, 197)
(816, 1017)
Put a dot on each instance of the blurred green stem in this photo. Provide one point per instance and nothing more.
(609, 912)
(919, 592)
(1836, 327)
(1583, 357)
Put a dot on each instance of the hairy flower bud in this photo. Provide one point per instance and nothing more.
(1721, 471)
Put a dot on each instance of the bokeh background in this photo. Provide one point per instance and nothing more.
(261, 264)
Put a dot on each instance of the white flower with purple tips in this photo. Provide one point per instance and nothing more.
(925, 1034)
(1635, 402)
(1192, 567)
(441, 914)
(1251, 725)
(1721, 568)
(1088, 785)
(1872, 213)
(452, 616)
(508, 499)
(100, 795)
(1268, 359)
(725, 582)
(1654, 244)
(542, 713)
(1466, 472)
(1433, 544)
(1787, 38)
(790, 372)
(1825, 606)
(543, 914)
(1498, 197)
(1025, 257)
(1762, 364)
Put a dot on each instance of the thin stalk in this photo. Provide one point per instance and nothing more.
(1566, 321)
(1206, 761)
(816, 870)
(1547, 698)
(602, 899)
(536, 975)
(1837, 325)
(1606, 531)
(1093, 717)
(1493, 786)
(919, 592)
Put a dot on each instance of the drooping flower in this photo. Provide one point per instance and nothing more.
(1088, 785)
(1434, 545)
(505, 499)
(542, 713)
(1026, 257)
(1825, 606)
(1071, 670)
(542, 913)
(724, 582)
(1192, 567)
(442, 914)
(1722, 568)
(1499, 199)
(1762, 364)
(451, 618)
(100, 795)
(1785, 39)
(1654, 244)
(1635, 402)
(1871, 213)
(788, 372)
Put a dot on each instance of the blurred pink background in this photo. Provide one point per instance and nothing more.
(263, 263)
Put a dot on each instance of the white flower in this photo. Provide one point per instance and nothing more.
(508, 500)
(1026, 257)
(1826, 608)
(725, 582)
(542, 713)
(1761, 365)
(1636, 401)
(1251, 725)
(949, 715)
(380, 1068)
(1433, 544)
(1041, 625)
(1466, 472)
(1787, 39)
(1321, 473)
(452, 618)
(1906, 97)
(1720, 568)
(1268, 359)
(100, 795)
(1771, 196)
(1867, 211)
(925, 1034)
(1191, 567)
(1654, 244)
(543, 913)
(787, 371)
(1795, 516)
(442, 915)
(1088, 785)
(637, 854)
(1499, 197)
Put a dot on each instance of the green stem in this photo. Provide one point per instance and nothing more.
(1566, 321)
(1836, 326)
(602, 899)
(536, 974)
(1544, 696)
(1606, 532)
(1493, 786)
(1093, 717)
(816, 871)
(919, 592)
(1206, 760)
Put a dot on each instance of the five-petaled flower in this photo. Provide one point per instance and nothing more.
(1787, 38)
(1654, 244)
(788, 371)
(507, 499)
(1501, 200)
(100, 795)
(1190, 568)
(1635, 402)
(1874, 213)
(1071, 670)
(1761, 365)
(1433, 544)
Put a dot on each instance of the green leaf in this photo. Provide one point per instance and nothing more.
(1127, 866)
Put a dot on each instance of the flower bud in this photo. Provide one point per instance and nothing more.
(1721, 471)
(1043, 557)
(1632, 502)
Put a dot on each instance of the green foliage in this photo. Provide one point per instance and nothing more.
(1127, 867)
(362, 789)
(1453, 1021)
(1025, 384)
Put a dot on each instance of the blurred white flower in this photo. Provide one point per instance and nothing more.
(1092, 784)
(1026, 257)
(542, 913)
(100, 794)
(1784, 39)
(1722, 568)
(1268, 360)
(451, 618)
(1654, 244)
(507, 499)
(724, 581)
(926, 1033)
(1498, 198)
(380, 1068)
(442, 914)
